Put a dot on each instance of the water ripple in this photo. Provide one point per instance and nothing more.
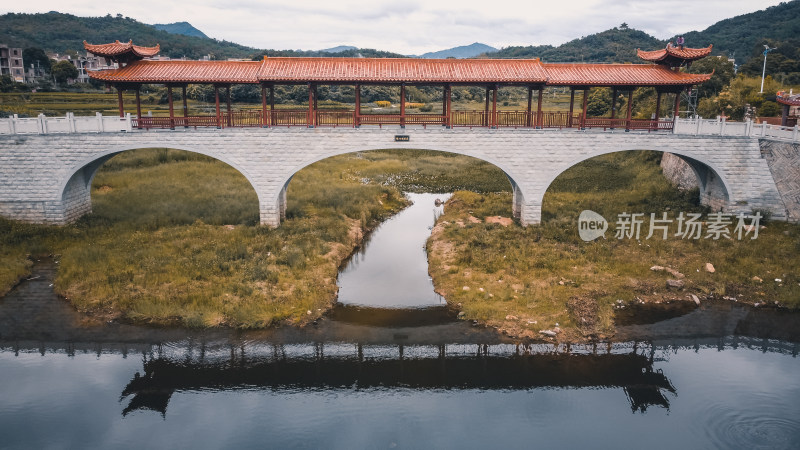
(752, 429)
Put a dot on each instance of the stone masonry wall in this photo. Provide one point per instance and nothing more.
(784, 163)
(678, 172)
(35, 169)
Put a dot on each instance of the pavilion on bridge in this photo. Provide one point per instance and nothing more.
(663, 75)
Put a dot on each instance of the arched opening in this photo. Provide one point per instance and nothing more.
(411, 170)
(622, 181)
(149, 188)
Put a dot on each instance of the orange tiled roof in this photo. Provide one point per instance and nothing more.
(397, 70)
(117, 48)
(409, 70)
(791, 101)
(675, 53)
(183, 72)
(618, 75)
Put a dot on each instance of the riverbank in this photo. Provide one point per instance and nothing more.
(545, 282)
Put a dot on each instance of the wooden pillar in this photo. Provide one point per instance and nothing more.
(494, 106)
(658, 110)
(630, 109)
(119, 101)
(357, 116)
(486, 109)
(185, 108)
(784, 115)
(571, 106)
(171, 109)
(613, 105)
(403, 105)
(444, 104)
(216, 102)
(658, 104)
(448, 115)
(264, 121)
(539, 123)
(310, 113)
(528, 121)
(272, 119)
(585, 104)
(138, 107)
(230, 115)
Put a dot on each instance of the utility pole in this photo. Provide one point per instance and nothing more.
(767, 49)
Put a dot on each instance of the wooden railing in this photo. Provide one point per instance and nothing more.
(349, 118)
(336, 118)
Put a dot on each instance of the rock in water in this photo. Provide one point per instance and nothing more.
(696, 300)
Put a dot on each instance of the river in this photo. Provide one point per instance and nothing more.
(388, 370)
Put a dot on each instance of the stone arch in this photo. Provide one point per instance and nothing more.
(517, 202)
(714, 188)
(75, 188)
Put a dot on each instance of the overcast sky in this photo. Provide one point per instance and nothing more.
(409, 26)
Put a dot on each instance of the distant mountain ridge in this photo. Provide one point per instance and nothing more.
(184, 28)
(339, 49)
(617, 45)
(462, 51)
(741, 36)
(738, 36)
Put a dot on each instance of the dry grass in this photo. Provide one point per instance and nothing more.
(524, 280)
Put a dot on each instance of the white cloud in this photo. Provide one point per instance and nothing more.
(411, 27)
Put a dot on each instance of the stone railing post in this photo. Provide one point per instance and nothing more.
(42, 124)
(697, 126)
(71, 122)
(13, 123)
(100, 127)
(748, 127)
(794, 133)
(128, 123)
(763, 128)
(722, 126)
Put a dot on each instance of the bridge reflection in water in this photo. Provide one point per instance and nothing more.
(356, 367)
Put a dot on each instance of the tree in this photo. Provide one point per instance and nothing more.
(64, 70)
(599, 102)
(34, 55)
(723, 74)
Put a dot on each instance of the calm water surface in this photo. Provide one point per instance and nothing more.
(391, 270)
(715, 376)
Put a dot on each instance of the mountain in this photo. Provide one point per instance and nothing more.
(184, 28)
(339, 48)
(741, 36)
(63, 33)
(618, 44)
(463, 51)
